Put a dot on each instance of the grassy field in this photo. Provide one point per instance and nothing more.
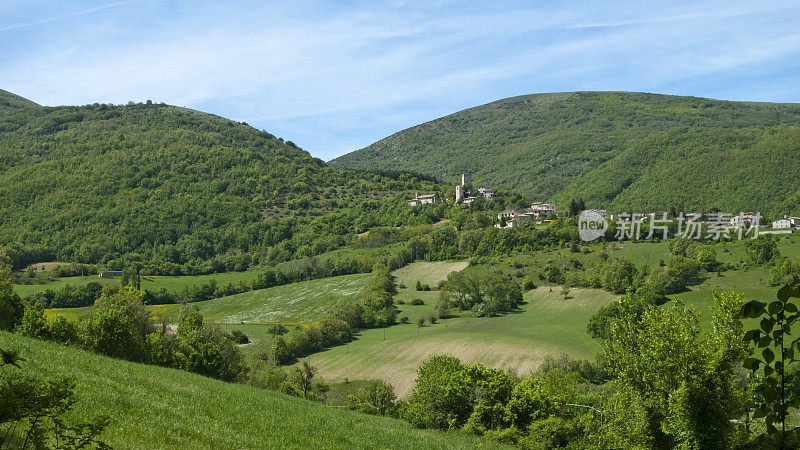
(305, 301)
(152, 283)
(155, 407)
(546, 325)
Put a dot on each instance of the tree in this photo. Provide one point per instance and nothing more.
(681, 382)
(33, 323)
(442, 396)
(304, 379)
(118, 325)
(203, 348)
(443, 305)
(379, 397)
(11, 308)
(618, 274)
(776, 392)
(761, 250)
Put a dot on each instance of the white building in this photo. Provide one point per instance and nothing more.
(486, 193)
(424, 200)
(782, 223)
(507, 214)
(600, 212)
(744, 219)
(543, 208)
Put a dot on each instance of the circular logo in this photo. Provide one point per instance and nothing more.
(591, 225)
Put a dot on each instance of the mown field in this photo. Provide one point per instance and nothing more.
(547, 325)
(156, 407)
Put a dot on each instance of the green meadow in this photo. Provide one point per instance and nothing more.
(546, 325)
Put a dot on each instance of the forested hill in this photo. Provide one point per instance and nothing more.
(172, 186)
(617, 150)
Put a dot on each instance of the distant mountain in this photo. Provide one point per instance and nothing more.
(172, 186)
(617, 150)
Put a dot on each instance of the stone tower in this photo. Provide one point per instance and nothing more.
(459, 194)
(466, 179)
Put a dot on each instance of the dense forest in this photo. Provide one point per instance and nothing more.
(617, 150)
(176, 190)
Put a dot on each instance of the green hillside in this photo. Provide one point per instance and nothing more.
(10, 102)
(165, 186)
(154, 407)
(617, 150)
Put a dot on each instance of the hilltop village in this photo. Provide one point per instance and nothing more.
(538, 212)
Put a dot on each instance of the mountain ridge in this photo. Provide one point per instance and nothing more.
(556, 146)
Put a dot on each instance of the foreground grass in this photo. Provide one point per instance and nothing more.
(154, 407)
(548, 325)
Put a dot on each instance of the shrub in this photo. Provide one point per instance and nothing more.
(118, 325)
(204, 349)
(63, 330)
(33, 323)
(277, 329)
(432, 319)
(404, 319)
(417, 302)
(238, 337)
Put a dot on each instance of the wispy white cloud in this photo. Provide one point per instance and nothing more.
(65, 16)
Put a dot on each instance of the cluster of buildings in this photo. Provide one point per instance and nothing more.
(482, 192)
(461, 192)
(538, 213)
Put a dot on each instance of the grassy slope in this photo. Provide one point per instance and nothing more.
(547, 325)
(615, 149)
(305, 301)
(154, 407)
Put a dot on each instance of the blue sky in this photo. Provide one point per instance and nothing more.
(336, 76)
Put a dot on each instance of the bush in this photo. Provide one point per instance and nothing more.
(404, 319)
(204, 349)
(63, 330)
(238, 337)
(432, 319)
(277, 329)
(417, 302)
(33, 323)
(118, 325)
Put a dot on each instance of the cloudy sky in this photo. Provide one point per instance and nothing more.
(336, 76)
